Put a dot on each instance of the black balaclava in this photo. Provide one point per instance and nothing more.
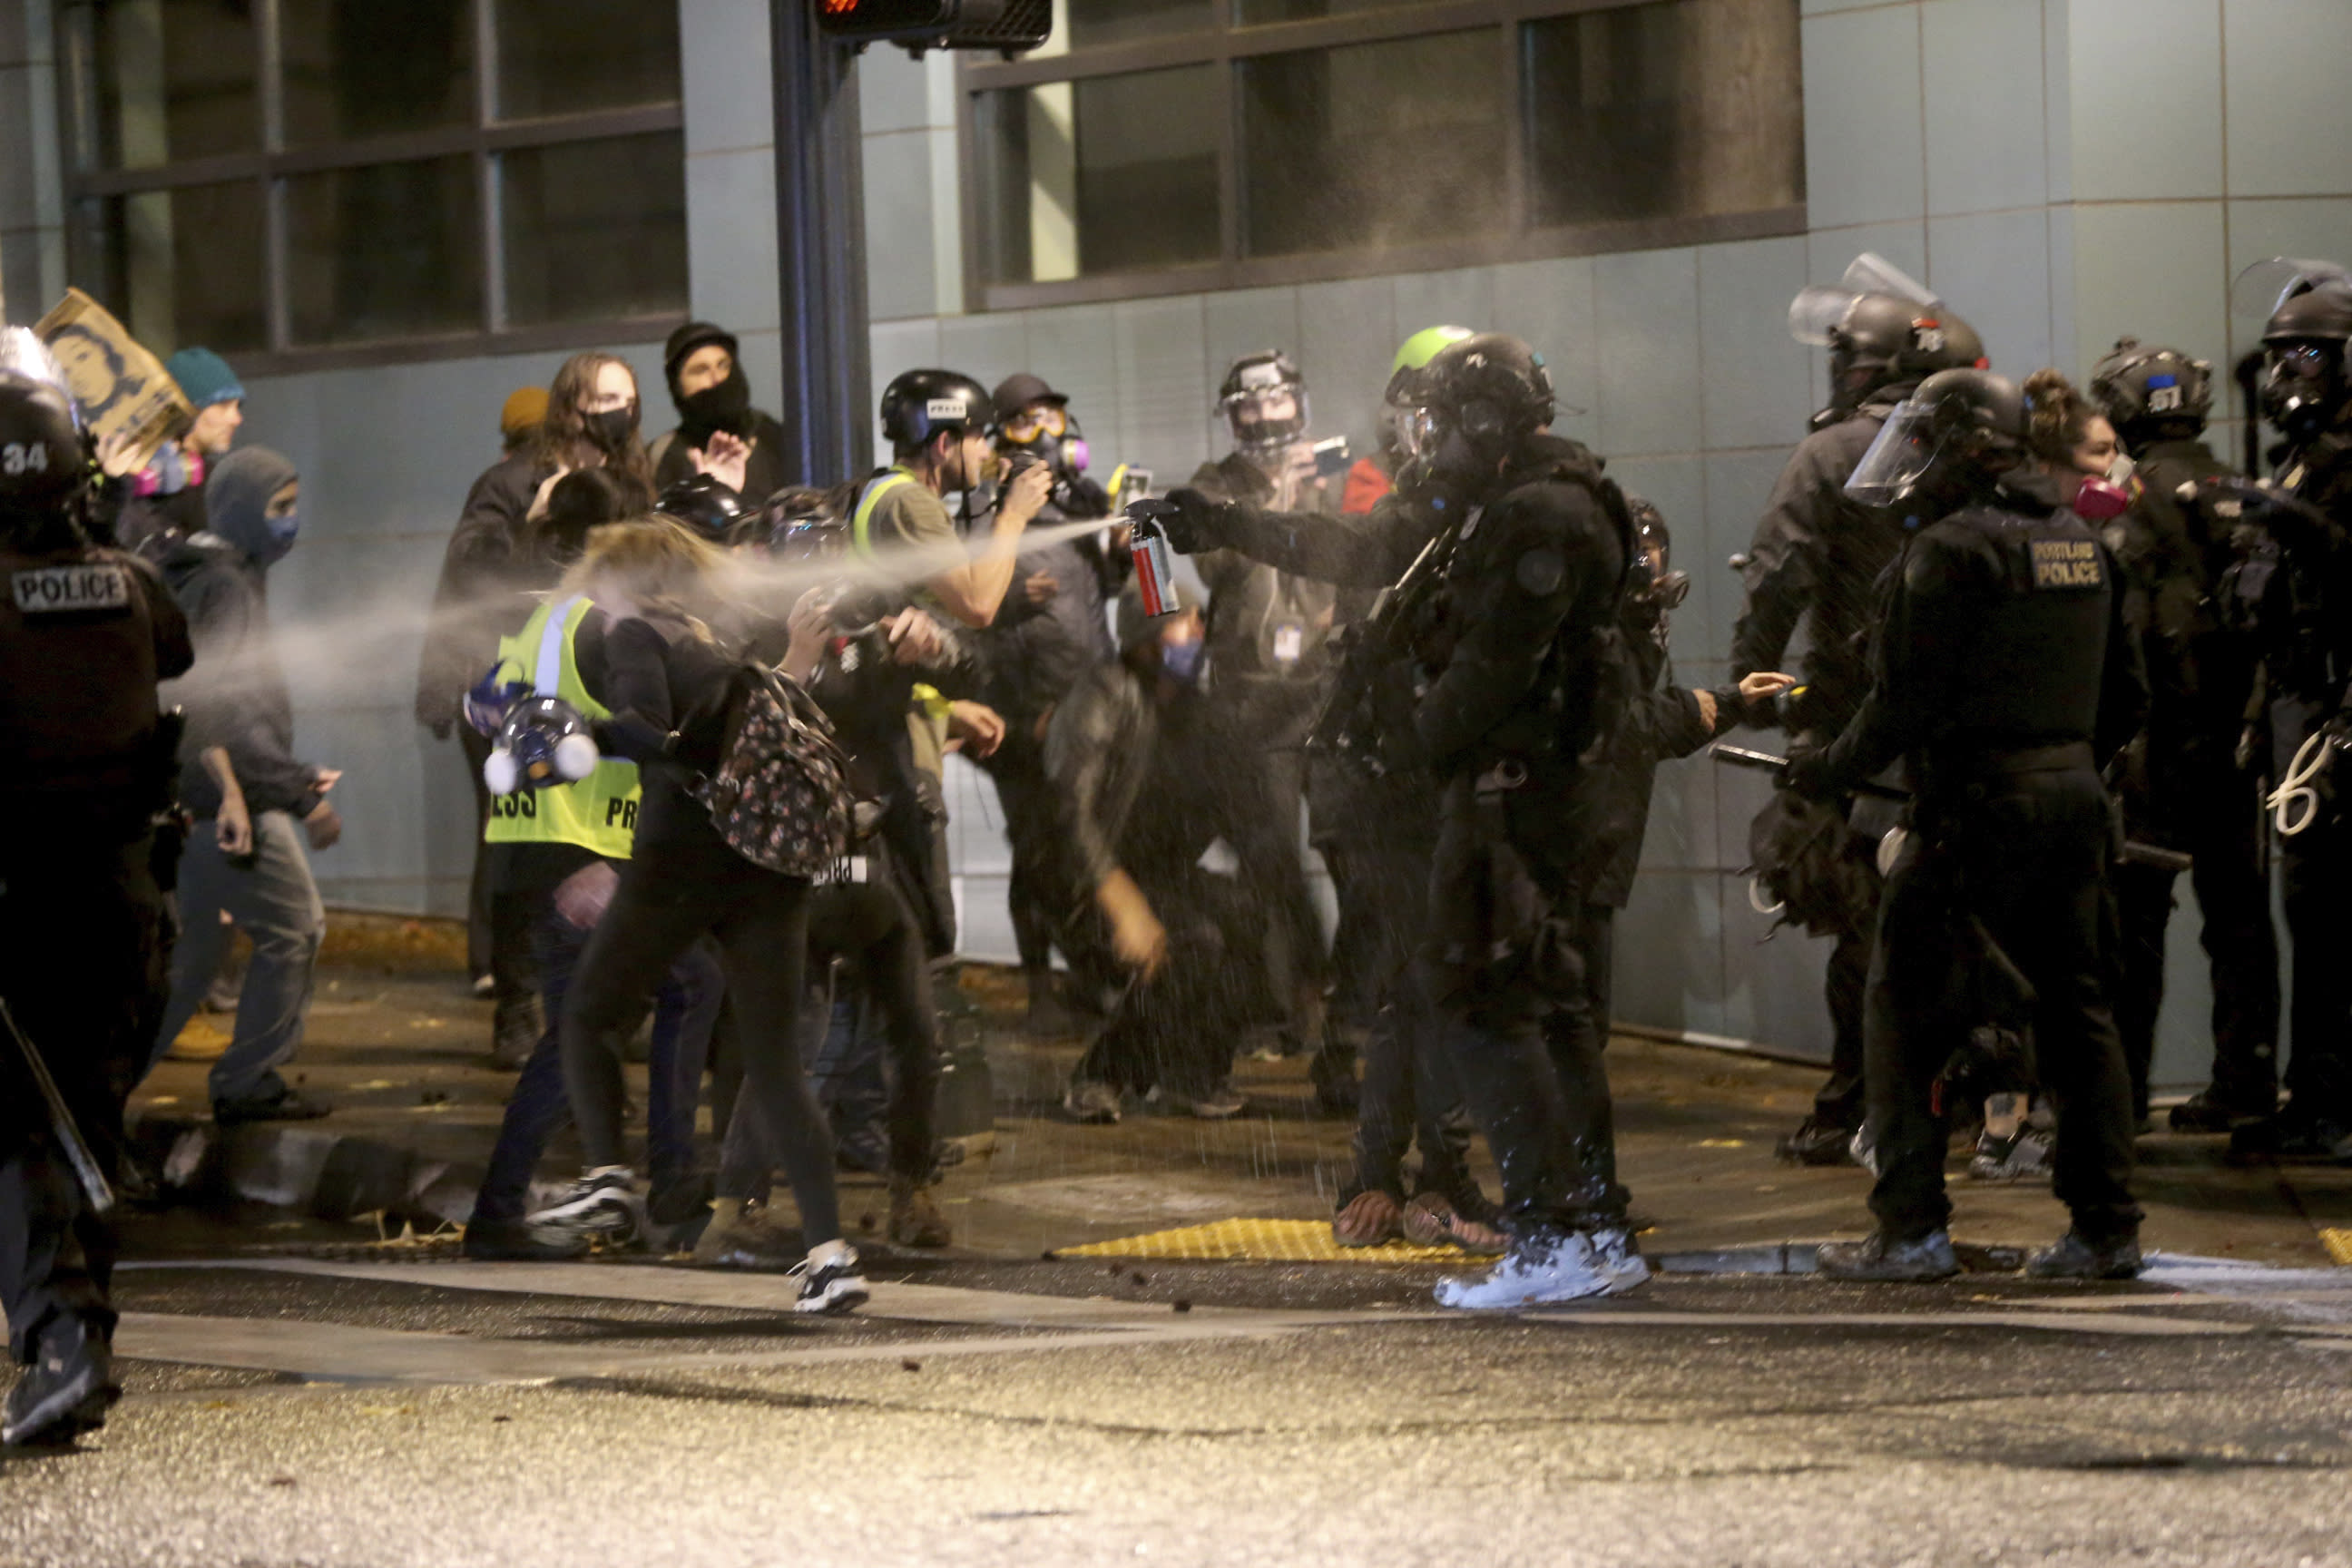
(723, 405)
(237, 488)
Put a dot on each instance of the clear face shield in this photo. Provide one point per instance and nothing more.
(1268, 417)
(2263, 287)
(1820, 309)
(1906, 450)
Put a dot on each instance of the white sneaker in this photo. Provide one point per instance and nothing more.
(1539, 1271)
(603, 1205)
(830, 1284)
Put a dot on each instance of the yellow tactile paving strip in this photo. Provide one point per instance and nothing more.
(2338, 1244)
(1260, 1241)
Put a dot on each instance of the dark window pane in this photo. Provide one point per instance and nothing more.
(1678, 110)
(1258, 13)
(386, 250)
(1373, 144)
(178, 267)
(1093, 22)
(596, 229)
(359, 67)
(1106, 174)
(174, 79)
(560, 57)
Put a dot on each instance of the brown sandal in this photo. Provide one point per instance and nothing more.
(1369, 1220)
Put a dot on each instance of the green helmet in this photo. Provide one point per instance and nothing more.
(1418, 351)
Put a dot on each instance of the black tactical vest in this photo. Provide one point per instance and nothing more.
(77, 674)
(2031, 673)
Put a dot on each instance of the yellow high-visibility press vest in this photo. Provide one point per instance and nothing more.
(598, 813)
(861, 538)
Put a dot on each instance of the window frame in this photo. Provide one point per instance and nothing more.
(1224, 44)
(481, 141)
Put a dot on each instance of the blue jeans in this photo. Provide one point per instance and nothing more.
(274, 901)
(684, 1008)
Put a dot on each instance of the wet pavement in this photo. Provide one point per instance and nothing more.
(400, 1047)
(294, 1411)
(300, 1394)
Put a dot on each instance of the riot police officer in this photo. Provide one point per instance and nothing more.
(1816, 559)
(2293, 597)
(2002, 675)
(85, 635)
(1493, 665)
(2180, 783)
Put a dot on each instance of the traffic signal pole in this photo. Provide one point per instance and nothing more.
(827, 398)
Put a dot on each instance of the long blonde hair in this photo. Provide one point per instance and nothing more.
(666, 568)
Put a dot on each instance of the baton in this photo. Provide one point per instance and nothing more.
(2135, 852)
(61, 1120)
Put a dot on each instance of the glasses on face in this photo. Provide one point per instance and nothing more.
(1030, 424)
(2300, 359)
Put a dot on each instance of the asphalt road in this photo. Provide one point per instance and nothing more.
(286, 1411)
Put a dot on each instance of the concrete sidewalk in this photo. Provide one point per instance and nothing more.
(403, 1051)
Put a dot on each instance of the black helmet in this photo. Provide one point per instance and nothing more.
(705, 504)
(804, 523)
(2305, 386)
(1958, 432)
(920, 404)
(2147, 392)
(1490, 387)
(41, 463)
(1249, 387)
(1882, 328)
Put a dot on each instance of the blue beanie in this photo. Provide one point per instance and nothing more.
(205, 376)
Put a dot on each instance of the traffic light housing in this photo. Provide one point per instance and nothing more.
(1010, 25)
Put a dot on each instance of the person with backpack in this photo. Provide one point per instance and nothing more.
(715, 743)
(556, 851)
(860, 649)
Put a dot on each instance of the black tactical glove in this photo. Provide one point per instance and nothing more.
(1197, 524)
(1808, 774)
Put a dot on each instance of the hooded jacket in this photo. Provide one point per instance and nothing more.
(235, 696)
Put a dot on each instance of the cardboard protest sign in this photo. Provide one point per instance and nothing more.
(121, 388)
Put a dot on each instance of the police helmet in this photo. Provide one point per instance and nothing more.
(1490, 389)
(2305, 385)
(705, 504)
(1252, 388)
(2144, 391)
(41, 450)
(921, 403)
(1882, 326)
(1959, 428)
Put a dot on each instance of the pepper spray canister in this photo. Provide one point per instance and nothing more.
(1155, 564)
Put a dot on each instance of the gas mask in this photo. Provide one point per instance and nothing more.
(2303, 386)
(1051, 435)
(543, 742)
